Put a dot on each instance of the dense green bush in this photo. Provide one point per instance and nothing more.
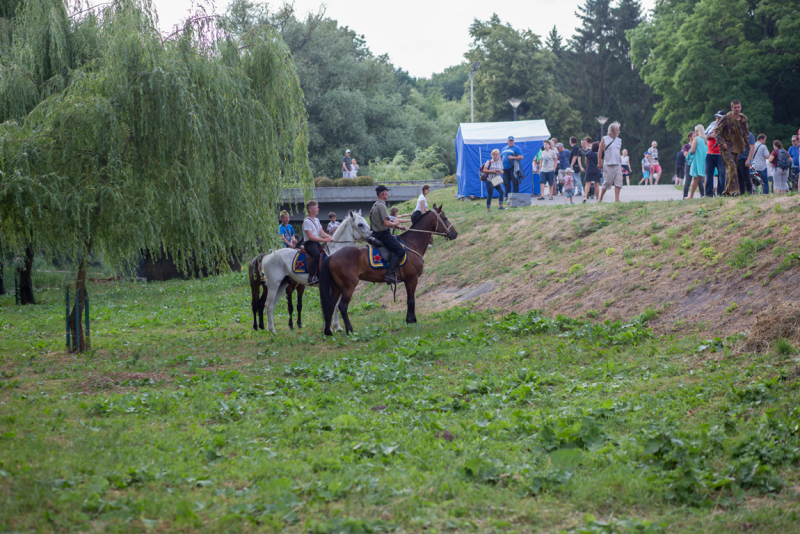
(345, 182)
(450, 179)
(364, 180)
(324, 182)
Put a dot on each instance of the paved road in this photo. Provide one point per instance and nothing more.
(634, 193)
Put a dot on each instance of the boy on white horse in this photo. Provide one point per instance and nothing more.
(314, 235)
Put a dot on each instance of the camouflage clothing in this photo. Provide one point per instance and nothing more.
(734, 134)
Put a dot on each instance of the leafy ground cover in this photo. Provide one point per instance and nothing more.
(183, 419)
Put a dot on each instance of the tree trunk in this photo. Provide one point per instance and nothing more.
(25, 282)
(2, 280)
(79, 341)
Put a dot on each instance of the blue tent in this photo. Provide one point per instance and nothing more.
(474, 145)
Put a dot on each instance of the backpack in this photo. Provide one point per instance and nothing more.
(783, 159)
(482, 173)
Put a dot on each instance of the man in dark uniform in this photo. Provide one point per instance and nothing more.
(381, 227)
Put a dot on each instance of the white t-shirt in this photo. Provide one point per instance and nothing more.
(549, 159)
(312, 225)
(624, 160)
(354, 171)
(760, 157)
(422, 202)
(611, 150)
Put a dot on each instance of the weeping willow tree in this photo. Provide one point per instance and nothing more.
(176, 145)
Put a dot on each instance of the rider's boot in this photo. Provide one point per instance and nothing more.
(391, 270)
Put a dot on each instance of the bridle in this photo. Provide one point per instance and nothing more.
(448, 226)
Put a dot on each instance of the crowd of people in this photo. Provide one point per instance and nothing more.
(723, 148)
(726, 158)
(589, 169)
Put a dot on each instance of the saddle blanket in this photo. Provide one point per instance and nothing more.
(376, 260)
(301, 260)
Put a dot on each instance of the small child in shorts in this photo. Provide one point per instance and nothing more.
(569, 186)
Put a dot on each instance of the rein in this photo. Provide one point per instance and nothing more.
(448, 227)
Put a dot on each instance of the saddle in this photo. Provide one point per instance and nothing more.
(379, 255)
(300, 261)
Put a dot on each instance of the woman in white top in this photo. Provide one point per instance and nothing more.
(314, 235)
(422, 204)
(354, 168)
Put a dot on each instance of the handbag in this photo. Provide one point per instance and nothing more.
(497, 180)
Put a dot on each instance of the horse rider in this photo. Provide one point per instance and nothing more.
(314, 236)
(381, 226)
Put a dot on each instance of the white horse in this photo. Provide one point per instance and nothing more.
(276, 268)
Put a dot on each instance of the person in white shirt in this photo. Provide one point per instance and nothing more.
(314, 235)
(609, 161)
(760, 163)
(547, 170)
(422, 204)
(354, 168)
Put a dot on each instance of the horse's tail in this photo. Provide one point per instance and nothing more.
(326, 287)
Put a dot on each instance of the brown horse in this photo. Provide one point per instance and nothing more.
(258, 302)
(342, 271)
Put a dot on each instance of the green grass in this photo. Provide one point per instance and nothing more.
(181, 418)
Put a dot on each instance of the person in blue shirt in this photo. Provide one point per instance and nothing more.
(286, 231)
(743, 167)
(794, 153)
(510, 154)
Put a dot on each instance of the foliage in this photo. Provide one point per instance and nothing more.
(598, 76)
(364, 181)
(108, 161)
(746, 251)
(450, 179)
(426, 166)
(724, 45)
(353, 98)
(515, 64)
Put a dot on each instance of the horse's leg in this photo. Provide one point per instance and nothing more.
(261, 303)
(254, 299)
(289, 290)
(336, 326)
(344, 302)
(300, 290)
(274, 288)
(411, 291)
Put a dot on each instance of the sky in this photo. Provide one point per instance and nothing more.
(422, 37)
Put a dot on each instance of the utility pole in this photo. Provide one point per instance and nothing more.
(471, 101)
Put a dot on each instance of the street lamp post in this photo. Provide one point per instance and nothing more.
(602, 121)
(515, 102)
(471, 104)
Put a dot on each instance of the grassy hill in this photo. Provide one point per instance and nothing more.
(710, 264)
(182, 419)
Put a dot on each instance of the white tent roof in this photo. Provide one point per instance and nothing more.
(484, 133)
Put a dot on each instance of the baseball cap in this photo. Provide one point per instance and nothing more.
(719, 113)
(380, 189)
(646, 152)
(347, 151)
(510, 137)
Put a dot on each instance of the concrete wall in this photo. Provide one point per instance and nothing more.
(342, 199)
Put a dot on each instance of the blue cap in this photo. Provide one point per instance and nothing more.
(510, 137)
(646, 152)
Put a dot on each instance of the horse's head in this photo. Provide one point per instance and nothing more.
(443, 225)
(360, 225)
